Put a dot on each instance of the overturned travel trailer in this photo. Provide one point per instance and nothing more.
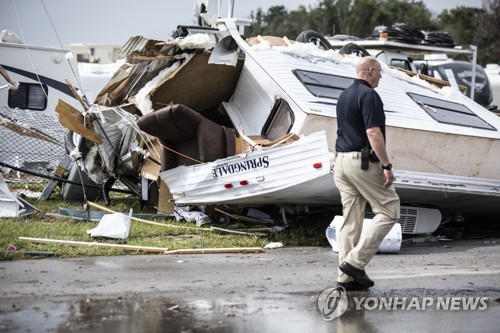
(227, 120)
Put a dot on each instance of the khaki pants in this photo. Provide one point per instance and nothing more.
(358, 187)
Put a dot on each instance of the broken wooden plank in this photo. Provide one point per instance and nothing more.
(84, 104)
(238, 232)
(272, 40)
(289, 137)
(156, 57)
(256, 142)
(146, 248)
(217, 250)
(73, 120)
(78, 243)
(432, 80)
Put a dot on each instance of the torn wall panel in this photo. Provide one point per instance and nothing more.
(197, 84)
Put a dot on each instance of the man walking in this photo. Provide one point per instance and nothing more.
(363, 174)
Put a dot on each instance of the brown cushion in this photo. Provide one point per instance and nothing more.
(189, 133)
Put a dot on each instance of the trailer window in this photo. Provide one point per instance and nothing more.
(401, 63)
(323, 85)
(279, 122)
(450, 113)
(31, 96)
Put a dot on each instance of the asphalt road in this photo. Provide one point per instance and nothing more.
(274, 291)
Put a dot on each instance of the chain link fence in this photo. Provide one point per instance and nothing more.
(31, 142)
(32, 148)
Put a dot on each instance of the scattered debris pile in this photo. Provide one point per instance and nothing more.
(161, 109)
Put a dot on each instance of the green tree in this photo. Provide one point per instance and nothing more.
(275, 22)
(365, 15)
(360, 17)
(299, 20)
(488, 33)
(343, 18)
(324, 18)
(460, 23)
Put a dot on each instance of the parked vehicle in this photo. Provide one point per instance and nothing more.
(429, 59)
(493, 73)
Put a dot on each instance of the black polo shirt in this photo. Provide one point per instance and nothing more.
(359, 107)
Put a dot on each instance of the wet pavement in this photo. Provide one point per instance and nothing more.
(275, 291)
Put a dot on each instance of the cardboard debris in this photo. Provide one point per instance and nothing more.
(166, 203)
(151, 165)
(217, 83)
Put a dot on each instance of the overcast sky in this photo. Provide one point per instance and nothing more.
(114, 21)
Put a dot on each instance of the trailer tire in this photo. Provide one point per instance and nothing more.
(311, 36)
(69, 143)
(352, 48)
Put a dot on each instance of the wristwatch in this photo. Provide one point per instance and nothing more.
(387, 167)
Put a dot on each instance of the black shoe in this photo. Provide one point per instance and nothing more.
(359, 275)
(351, 286)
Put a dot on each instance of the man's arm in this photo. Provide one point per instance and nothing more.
(378, 145)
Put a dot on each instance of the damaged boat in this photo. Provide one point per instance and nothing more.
(223, 119)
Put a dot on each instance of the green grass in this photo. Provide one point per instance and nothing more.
(40, 225)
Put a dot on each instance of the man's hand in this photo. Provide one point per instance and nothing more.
(389, 178)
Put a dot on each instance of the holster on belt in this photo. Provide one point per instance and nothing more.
(368, 155)
(365, 158)
(373, 157)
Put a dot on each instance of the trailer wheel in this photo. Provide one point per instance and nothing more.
(73, 140)
(69, 141)
(311, 36)
(352, 48)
